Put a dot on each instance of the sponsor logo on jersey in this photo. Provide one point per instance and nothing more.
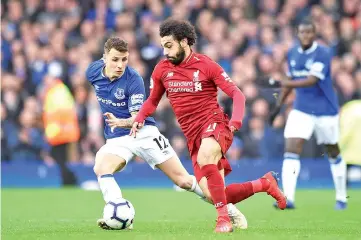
(119, 94)
(110, 102)
(137, 99)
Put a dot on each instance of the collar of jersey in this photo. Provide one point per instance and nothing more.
(309, 50)
(185, 61)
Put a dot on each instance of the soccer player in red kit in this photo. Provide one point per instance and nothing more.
(190, 81)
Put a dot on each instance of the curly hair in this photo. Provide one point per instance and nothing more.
(179, 29)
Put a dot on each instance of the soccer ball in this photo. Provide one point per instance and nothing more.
(119, 214)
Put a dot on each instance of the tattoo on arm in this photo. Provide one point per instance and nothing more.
(128, 122)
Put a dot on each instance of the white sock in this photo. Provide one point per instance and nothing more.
(197, 189)
(338, 169)
(109, 187)
(290, 171)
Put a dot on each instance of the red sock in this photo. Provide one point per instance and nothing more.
(238, 192)
(216, 189)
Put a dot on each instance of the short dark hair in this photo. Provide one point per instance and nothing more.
(179, 29)
(307, 22)
(116, 43)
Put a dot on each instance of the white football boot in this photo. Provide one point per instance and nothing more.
(237, 218)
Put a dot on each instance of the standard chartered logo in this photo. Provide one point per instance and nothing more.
(184, 86)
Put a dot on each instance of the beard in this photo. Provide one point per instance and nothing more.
(179, 57)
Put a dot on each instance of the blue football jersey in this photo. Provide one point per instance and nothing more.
(319, 99)
(121, 96)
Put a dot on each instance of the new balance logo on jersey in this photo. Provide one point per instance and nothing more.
(170, 74)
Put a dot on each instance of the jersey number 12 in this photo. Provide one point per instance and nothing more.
(160, 141)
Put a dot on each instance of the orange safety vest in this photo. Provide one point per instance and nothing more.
(59, 115)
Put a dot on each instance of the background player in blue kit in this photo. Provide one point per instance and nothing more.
(120, 93)
(315, 110)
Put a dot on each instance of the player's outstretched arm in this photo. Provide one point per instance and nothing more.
(149, 106)
(224, 82)
(309, 81)
(285, 91)
(114, 122)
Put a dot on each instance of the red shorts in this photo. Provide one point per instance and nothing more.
(223, 135)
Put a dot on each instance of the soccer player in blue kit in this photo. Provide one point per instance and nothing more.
(120, 93)
(315, 110)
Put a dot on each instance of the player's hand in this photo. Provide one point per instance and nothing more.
(233, 129)
(234, 125)
(135, 128)
(273, 115)
(112, 121)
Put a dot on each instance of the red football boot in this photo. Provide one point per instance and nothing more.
(223, 225)
(275, 191)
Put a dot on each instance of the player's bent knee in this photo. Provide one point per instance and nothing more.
(332, 150)
(294, 145)
(107, 164)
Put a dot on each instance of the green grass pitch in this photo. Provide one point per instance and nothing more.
(65, 214)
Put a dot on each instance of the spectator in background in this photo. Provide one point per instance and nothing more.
(248, 38)
(26, 142)
(235, 152)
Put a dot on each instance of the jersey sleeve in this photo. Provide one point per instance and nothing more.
(92, 71)
(136, 93)
(225, 83)
(320, 65)
(156, 92)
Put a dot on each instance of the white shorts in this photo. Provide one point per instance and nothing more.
(149, 144)
(302, 125)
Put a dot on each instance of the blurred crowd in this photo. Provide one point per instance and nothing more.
(46, 39)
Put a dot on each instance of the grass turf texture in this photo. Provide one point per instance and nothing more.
(58, 214)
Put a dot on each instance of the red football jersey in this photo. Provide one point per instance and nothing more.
(191, 88)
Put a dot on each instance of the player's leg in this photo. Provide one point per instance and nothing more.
(339, 175)
(110, 158)
(175, 171)
(106, 165)
(209, 155)
(299, 127)
(156, 150)
(237, 218)
(327, 132)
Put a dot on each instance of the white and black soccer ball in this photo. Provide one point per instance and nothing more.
(119, 214)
